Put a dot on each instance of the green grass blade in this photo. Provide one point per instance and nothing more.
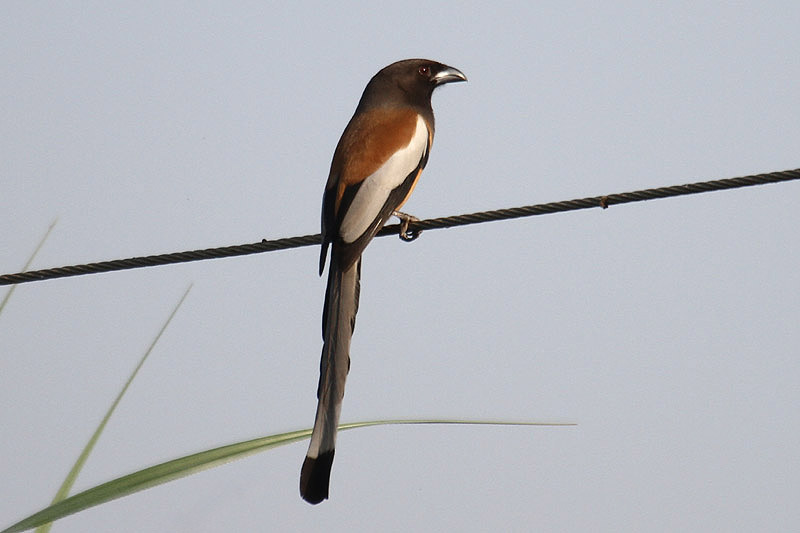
(63, 491)
(28, 264)
(184, 466)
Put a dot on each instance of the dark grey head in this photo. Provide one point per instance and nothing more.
(410, 81)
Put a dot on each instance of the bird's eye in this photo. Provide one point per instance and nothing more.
(424, 70)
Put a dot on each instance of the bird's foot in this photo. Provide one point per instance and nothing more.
(405, 219)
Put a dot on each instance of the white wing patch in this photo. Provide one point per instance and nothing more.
(375, 189)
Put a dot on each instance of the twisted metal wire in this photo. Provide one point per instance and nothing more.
(414, 227)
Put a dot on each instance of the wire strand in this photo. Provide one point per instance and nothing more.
(414, 227)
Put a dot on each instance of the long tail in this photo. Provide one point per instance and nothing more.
(338, 322)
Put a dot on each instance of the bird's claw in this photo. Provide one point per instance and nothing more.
(406, 234)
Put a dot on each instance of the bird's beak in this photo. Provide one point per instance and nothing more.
(448, 75)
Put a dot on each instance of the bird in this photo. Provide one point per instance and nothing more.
(375, 167)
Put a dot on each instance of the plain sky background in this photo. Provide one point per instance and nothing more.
(668, 330)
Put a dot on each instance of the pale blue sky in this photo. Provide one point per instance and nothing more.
(667, 330)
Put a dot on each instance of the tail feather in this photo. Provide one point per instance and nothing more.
(315, 477)
(338, 322)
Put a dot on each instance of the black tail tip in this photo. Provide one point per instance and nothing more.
(315, 477)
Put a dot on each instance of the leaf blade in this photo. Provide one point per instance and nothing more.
(190, 464)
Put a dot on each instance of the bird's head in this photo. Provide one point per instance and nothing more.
(416, 79)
